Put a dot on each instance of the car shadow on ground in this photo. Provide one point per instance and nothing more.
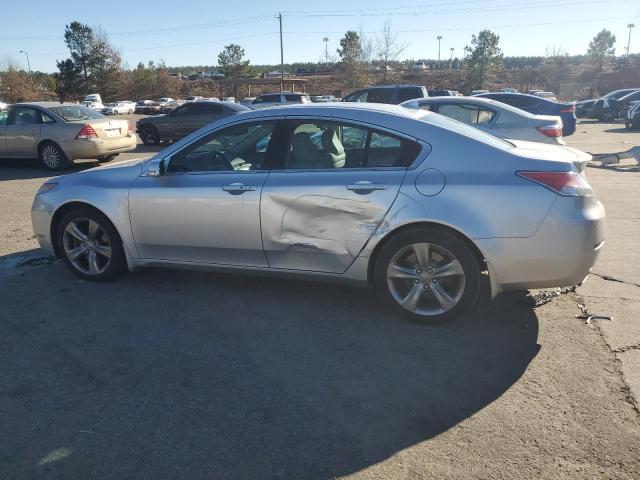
(622, 129)
(166, 374)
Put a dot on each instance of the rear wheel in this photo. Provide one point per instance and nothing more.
(52, 156)
(90, 245)
(428, 275)
(149, 135)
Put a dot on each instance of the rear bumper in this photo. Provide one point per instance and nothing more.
(561, 253)
(94, 147)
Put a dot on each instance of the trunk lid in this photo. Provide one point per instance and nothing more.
(107, 128)
(545, 151)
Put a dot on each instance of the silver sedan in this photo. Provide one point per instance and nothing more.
(415, 205)
(496, 118)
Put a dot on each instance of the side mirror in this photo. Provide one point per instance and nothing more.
(156, 168)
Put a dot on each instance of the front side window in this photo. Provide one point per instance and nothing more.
(361, 96)
(466, 113)
(328, 145)
(240, 147)
(3, 118)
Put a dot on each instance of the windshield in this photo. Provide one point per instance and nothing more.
(72, 113)
(466, 130)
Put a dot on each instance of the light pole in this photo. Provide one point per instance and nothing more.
(439, 37)
(326, 51)
(279, 17)
(451, 58)
(630, 26)
(28, 64)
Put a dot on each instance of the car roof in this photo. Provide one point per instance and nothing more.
(474, 99)
(47, 104)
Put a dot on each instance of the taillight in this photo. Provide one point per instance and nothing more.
(129, 128)
(550, 130)
(86, 132)
(570, 184)
(570, 109)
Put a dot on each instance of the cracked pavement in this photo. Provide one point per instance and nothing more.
(170, 374)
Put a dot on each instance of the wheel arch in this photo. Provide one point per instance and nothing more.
(424, 224)
(66, 208)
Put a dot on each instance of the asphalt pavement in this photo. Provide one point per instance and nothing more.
(173, 374)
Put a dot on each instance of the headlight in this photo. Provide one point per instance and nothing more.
(46, 187)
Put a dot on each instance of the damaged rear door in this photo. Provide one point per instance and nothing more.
(328, 191)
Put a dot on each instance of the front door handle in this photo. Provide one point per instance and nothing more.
(238, 188)
(364, 187)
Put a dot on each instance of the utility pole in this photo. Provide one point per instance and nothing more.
(439, 37)
(326, 51)
(279, 17)
(451, 59)
(28, 64)
(630, 26)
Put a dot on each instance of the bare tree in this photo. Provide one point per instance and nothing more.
(387, 47)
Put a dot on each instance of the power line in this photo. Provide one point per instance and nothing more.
(477, 27)
(497, 8)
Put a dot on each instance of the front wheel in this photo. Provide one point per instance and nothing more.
(149, 135)
(90, 246)
(428, 275)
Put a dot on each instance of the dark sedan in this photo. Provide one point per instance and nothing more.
(602, 108)
(183, 120)
(539, 106)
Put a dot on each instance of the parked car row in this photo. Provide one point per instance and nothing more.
(609, 107)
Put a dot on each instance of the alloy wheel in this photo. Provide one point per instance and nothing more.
(87, 246)
(51, 157)
(425, 279)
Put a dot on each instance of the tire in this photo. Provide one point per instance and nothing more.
(53, 157)
(149, 135)
(410, 269)
(107, 158)
(84, 234)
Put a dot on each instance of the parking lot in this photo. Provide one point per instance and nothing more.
(172, 374)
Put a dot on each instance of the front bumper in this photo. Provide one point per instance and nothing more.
(561, 253)
(41, 215)
(97, 147)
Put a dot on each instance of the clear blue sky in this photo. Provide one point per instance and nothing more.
(192, 32)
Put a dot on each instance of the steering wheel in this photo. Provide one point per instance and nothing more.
(218, 161)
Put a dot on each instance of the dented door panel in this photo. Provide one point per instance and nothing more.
(320, 220)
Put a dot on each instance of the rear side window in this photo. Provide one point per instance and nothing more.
(46, 118)
(466, 113)
(207, 108)
(293, 98)
(329, 145)
(409, 93)
(267, 99)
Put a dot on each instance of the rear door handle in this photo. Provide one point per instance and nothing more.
(365, 187)
(238, 188)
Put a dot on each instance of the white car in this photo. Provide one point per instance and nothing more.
(119, 108)
(93, 105)
(164, 100)
(325, 99)
(267, 100)
(496, 118)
